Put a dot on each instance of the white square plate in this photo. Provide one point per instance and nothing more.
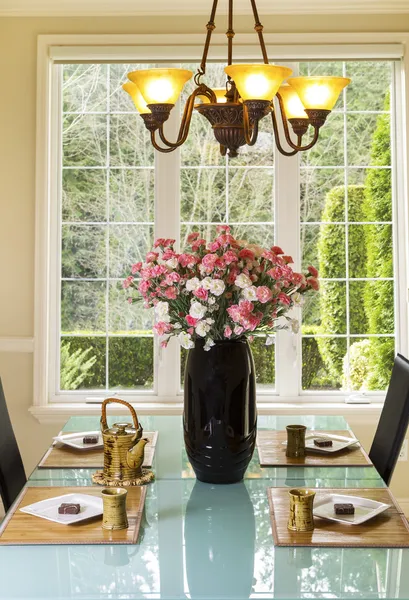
(74, 440)
(365, 508)
(339, 442)
(91, 506)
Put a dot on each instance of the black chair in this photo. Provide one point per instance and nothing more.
(12, 475)
(393, 422)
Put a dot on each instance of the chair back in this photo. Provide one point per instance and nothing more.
(12, 475)
(393, 422)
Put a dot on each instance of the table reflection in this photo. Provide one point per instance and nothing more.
(219, 541)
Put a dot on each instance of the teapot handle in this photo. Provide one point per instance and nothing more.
(118, 401)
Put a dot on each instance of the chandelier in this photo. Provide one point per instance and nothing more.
(252, 92)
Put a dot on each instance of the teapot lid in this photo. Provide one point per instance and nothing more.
(121, 429)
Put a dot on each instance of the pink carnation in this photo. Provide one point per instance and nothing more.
(284, 299)
(158, 270)
(151, 256)
(171, 293)
(234, 313)
(238, 330)
(209, 261)
(127, 282)
(246, 254)
(222, 229)
(230, 257)
(159, 242)
(191, 320)
(275, 272)
(213, 246)
(314, 283)
(161, 328)
(227, 332)
(201, 293)
(264, 294)
(186, 260)
(164, 343)
(287, 259)
(192, 237)
(144, 287)
(245, 307)
(277, 250)
(197, 244)
(172, 278)
(168, 242)
(313, 271)
(298, 279)
(136, 268)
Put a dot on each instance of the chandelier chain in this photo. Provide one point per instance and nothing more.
(230, 34)
(259, 28)
(210, 27)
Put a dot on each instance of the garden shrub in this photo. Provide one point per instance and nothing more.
(378, 296)
(359, 366)
(75, 366)
(313, 367)
(332, 264)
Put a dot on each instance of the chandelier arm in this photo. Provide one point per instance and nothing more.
(259, 28)
(289, 141)
(157, 147)
(210, 27)
(277, 137)
(201, 90)
(250, 136)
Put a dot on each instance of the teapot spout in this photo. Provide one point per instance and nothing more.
(135, 455)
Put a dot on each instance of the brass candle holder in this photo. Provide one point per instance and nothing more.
(301, 514)
(295, 441)
(114, 503)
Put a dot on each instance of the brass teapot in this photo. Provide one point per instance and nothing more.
(124, 447)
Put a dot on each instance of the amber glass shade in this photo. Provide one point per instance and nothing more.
(319, 92)
(160, 86)
(136, 96)
(257, 82)
(293, 106)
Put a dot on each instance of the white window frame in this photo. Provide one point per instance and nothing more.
(165, 398)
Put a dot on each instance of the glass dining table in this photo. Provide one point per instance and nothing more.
(211, 542)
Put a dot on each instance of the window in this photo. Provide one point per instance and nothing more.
(334, 207)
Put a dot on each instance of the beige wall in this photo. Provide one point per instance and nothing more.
(18, 38)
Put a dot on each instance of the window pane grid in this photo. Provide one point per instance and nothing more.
(125, 360)
(344, 283)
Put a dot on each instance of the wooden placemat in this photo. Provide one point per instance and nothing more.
(271, 452)
(387, 530)
(59, 456)
(20, 528)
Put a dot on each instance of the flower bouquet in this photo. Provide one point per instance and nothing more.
(215, 297)
(223, 290)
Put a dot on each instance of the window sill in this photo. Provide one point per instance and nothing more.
(59, 413)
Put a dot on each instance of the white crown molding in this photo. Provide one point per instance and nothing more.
(118, 8)
(16, 344)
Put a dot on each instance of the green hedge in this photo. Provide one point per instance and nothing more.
(378, 297)
(332, 264)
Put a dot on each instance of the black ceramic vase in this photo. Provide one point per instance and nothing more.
(220, 415)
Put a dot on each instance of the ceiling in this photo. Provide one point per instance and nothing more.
(195, 7)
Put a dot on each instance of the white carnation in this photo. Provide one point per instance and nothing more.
(185, 340)
(209, 343)
(197, 310)
(217, 287)
(192, 284)
(295, 325)
(298, 299)
(202, 328)
(250, 293)
(172, 263)
(242, 281)
(161, 311)
(206, 283)
(211, 300)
